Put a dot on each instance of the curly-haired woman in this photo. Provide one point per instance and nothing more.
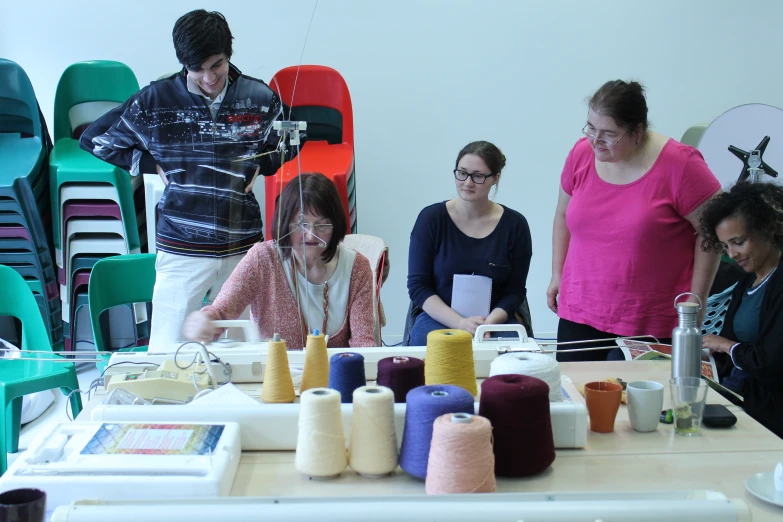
(747, 223)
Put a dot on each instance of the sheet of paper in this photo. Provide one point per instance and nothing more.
(471, 295)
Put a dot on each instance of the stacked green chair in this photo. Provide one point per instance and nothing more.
(22, 377)
(78, 177)
(116, 281)
(25, 207)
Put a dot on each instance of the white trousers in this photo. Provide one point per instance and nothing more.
(182, 284)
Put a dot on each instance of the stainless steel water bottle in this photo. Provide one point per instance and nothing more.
(686, 339)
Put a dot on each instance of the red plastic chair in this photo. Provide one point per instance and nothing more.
(329, 147)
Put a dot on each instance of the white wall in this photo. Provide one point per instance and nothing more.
(429, 76)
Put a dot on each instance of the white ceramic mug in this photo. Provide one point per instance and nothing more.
(645, 402)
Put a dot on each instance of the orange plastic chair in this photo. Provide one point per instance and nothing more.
(323, 101)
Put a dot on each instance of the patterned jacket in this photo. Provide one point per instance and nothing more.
(204, 211)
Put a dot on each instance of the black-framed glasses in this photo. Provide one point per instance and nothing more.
(592, 136)
(477, 177)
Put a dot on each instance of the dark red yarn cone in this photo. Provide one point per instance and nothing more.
(518, 408)
(401, 374)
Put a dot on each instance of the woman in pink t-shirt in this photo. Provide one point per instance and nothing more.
(624, 240)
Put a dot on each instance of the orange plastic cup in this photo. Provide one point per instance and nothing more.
(603, 401)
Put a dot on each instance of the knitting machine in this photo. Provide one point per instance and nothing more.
(274, 427)
(108, 460)
(247, 360)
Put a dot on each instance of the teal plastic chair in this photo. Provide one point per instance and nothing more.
(19, 378)
(116, 281)
(84, 82)
(18, 104)
(24, 144)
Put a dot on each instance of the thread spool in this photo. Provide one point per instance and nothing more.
(320, 446)
(316, 365)
(372, 451)
(278, 385)
(518, 408)
(425, 404)
(449, 359)
(401, 374)
(461, 458)
(535, 365)
(346, 373)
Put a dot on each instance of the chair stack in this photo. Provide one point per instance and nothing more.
(322, 100)
(98, 209)
(25, 209)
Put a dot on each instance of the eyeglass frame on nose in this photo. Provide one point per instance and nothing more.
(472, 176)
(602, 140)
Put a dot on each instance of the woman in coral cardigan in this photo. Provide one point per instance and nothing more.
(304, 280)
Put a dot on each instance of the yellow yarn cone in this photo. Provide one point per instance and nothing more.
(278, 386)
(449, 359)
(316, 365)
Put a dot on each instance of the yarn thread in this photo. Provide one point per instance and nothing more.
(372, 450)
(425, 404)
(316, 364)
(461, 458)
(278, 385)
(449, 359)
(401, 374)
(346, 373)
(535, 365)
(320, 446)
(518, 408)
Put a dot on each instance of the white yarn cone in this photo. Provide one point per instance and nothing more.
(320, 447)
(535, 365)
(373, 447)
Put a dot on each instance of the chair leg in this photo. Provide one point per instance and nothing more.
(76, 398)
(13, 423)
(3, 439)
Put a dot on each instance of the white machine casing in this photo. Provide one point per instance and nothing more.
(275, 427)
(55, 462)
(672, 506)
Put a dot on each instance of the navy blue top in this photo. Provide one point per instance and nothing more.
(439, 249)
(746, 320)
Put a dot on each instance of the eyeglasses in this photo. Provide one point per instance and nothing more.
(477, 178)
(319, 229)
(592, 136)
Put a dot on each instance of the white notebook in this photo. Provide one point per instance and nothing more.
(471, 295)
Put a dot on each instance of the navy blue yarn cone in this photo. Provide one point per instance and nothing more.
(424, 405)
(346, 373)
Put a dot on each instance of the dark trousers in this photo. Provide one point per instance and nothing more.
(568, 331)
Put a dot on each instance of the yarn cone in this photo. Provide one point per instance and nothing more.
(316, 365)
(278, 384)
(449, 359)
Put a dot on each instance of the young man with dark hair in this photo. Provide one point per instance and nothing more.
(205, 128)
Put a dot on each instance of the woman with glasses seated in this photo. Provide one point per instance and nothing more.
(304, 280)
(747, 224)
(470, 235)
(624, 239)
